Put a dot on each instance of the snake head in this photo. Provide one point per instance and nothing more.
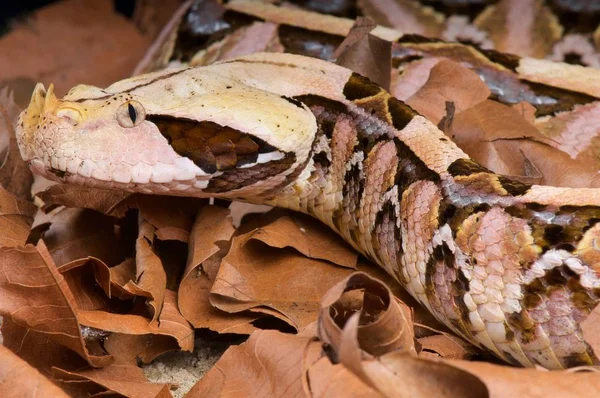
(188, 132)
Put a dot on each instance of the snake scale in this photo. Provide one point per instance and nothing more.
(511, 267)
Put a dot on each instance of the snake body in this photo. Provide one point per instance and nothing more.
(511, 267)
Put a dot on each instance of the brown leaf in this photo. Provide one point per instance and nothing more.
(19, 379)
(212, 226)
(113, 203)
(77, 234)
(34, 294)
(448, 82)
(525, 28)
(270, 363)
(124, 379)
(446, 346)
(307, 235)
(405, 15)
(497, 137)
(90, 48)
(16, 217)
(503, 381)
(385, 323)
(254, 276)
(172, 332)
(366, 54)
(150, 277)
(171, 216)
(15, 175)
(418, 378)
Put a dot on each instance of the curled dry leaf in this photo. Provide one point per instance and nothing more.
(448, 82)
(178, 335)
(19, 379)
(498, 137)
(209, 242)
(16, 217)
(385, 323)
(281, 282)
(399, 374)
(34, 294)
(150, 276)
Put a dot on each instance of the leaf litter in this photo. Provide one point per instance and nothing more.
(94, 292)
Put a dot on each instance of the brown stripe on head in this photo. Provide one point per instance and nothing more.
(359, 87)
(210, 146)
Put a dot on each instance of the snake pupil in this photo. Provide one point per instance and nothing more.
(132, 113)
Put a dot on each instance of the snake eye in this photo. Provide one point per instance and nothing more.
(130, 114)
(71, 115)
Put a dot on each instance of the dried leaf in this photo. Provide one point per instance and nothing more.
(418, 378)
(113, 203)
(34, 294)
(270, 363)
(124, 379)
(446, 346)
(90, 48)
(19, 379)
(15, 175)
(150, 277)
(257, 277)
(366, 54)
(448, 82)
(525, 28)
(16, 217)
(307, 235)
(172, 332)
(404, 15)
(77, 234)
(497, 137)
(212, 225)
(385, 323)
(171, 216)
(503, 381)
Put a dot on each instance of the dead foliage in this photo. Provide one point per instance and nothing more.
(111, 280)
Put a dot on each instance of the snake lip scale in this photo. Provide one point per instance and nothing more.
(513, 268)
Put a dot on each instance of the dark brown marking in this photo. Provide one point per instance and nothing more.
(400, 113)
(307, 42)
(239, 178)
(359, 87)
(509, 61)
(312, 100)
(410, 168)
(293, 101)
(210, 146)
(513, 187)
(466, 167)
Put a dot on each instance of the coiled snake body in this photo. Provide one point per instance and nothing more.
(511, 267)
